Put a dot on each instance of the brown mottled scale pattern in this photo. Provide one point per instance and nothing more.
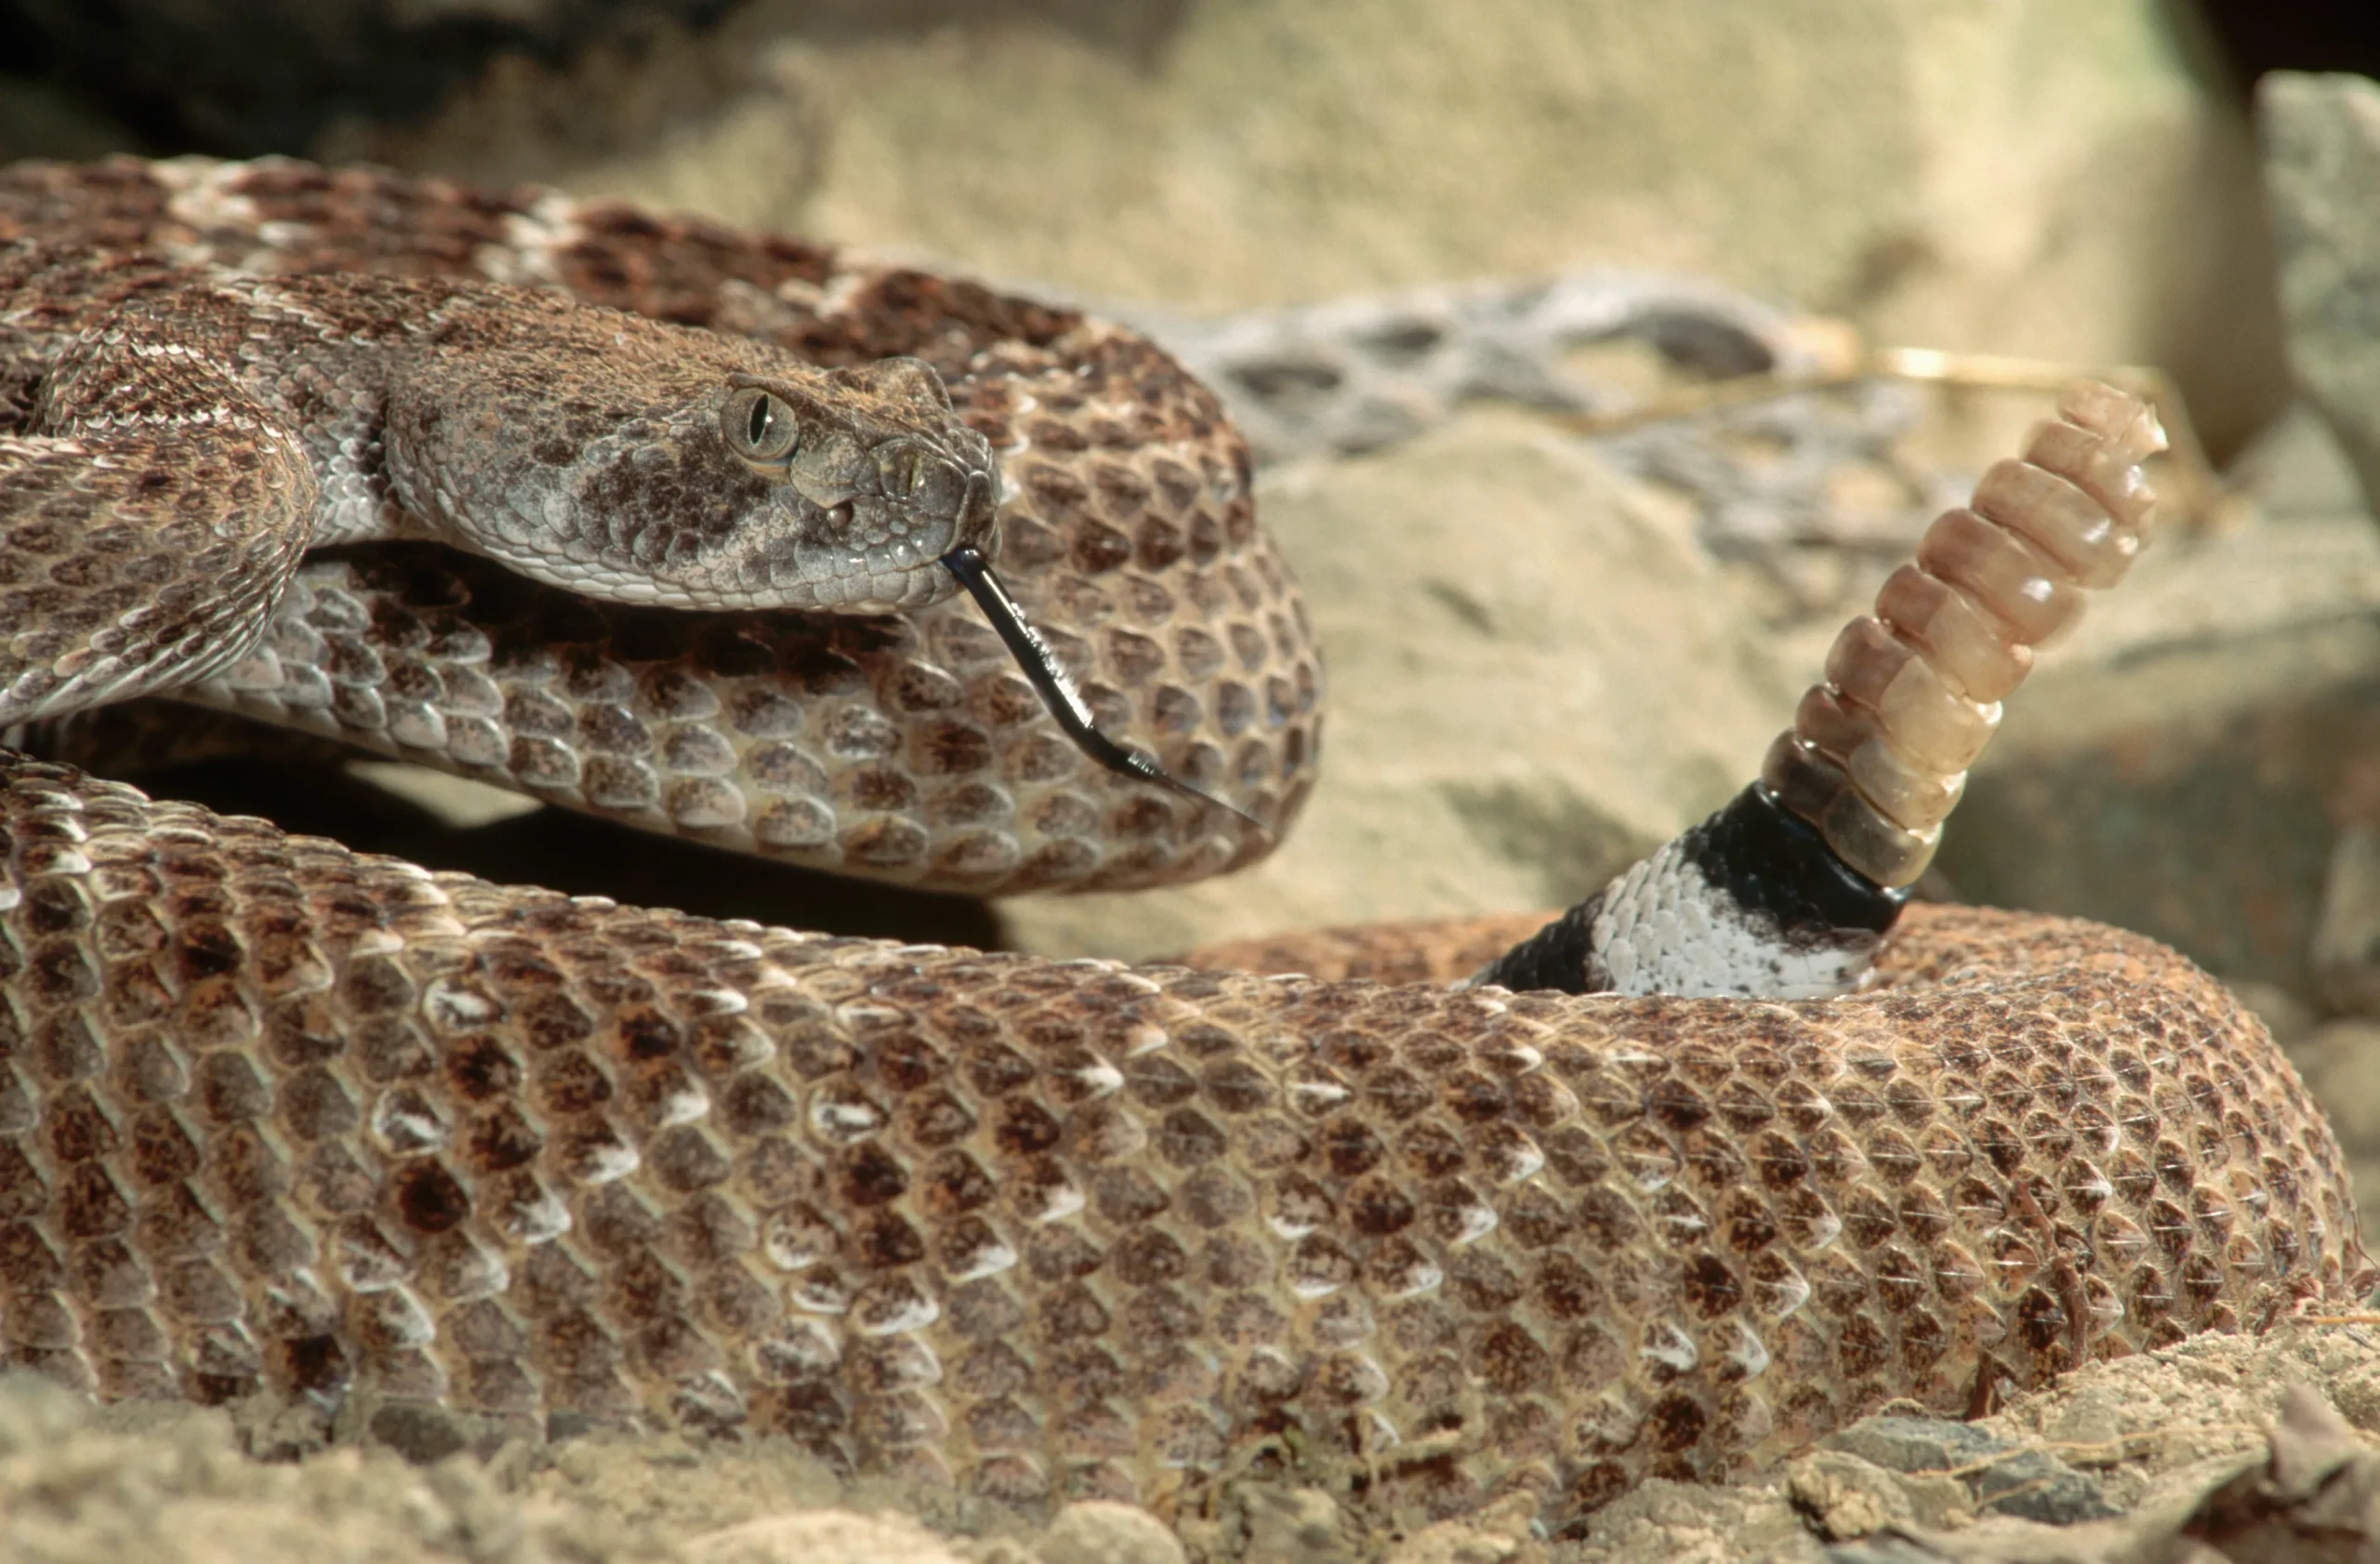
(909, 747)
(273, 1114)
(907, 750)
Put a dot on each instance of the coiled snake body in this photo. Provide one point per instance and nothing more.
(277, 1115)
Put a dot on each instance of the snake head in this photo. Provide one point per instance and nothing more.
(872, 478)
(696, 471)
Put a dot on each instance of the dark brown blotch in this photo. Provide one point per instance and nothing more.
(429, 1198)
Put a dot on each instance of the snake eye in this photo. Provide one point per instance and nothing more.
(759, 428)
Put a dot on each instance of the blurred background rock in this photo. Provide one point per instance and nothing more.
(2068, 178)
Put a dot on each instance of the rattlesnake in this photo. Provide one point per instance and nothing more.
(277, 1116)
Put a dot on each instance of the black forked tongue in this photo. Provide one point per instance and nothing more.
(1057, 692)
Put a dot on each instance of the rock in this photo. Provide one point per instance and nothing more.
(2317, 1494)
(1917, 1444)
(2356, 1394)
(1886, 1550)
(2296, 469)
(828, 1537)
(1501, 1534)
(2310, 1444)
(1264, 1523)
(2182, 1433)
(169, 1484)
(35, 1414)
(2321, 137)
(1694, 1523)
(1844, 1496)
(1535, 676)
(2036, 1486)
(2002, 1477)
(245, 79)
(456, 801)
(2186, 1444)
(38, 119)
(1101, 1531)
(1960, 176)
(2345, 953)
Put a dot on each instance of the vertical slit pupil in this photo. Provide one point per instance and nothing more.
(764, 414)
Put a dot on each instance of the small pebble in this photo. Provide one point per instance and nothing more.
(1101, 1532)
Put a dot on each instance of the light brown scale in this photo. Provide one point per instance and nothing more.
(1878, 754)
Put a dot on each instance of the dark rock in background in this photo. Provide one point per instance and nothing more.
(2321, 137)
(242, 77)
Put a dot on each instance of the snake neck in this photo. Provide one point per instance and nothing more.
(1750, 903)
